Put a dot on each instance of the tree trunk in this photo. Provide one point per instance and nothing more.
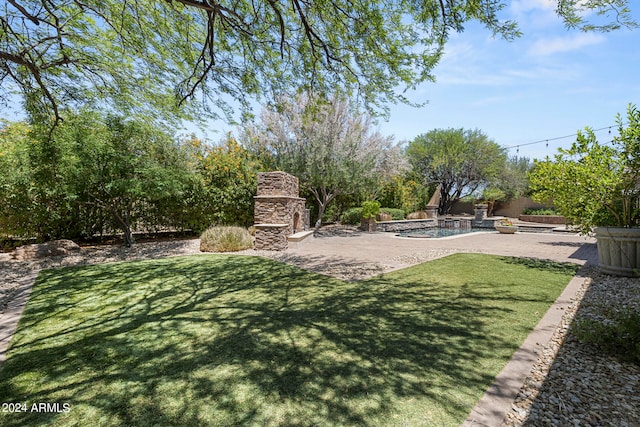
(128, 235)
(323, 198)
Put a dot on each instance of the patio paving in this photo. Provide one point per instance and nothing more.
(395, 252)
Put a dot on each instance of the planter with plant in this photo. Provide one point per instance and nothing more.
(596, 187)
(370, 209)
(506, 226)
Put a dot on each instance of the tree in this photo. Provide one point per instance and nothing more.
(129, 169)
(15, 179)
(512, 182)
(331, 148)
(462, 161)
(229, 174)
(594, 184)
(154, 55)
(92, 174)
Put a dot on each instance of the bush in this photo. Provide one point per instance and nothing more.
(620, 337)
(541, 211)
(354, 215)
(351, 216)
(370, 209)
(396, 214)
(225, 239)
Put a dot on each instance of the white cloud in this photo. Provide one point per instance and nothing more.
(550, 46)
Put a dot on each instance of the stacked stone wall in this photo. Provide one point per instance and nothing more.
(405, 225)
(277, 184)
(271, 237)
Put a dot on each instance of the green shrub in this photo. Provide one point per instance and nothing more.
(225, 239)
(370, 209)
(396, 214)
(540, 211)
(620, 337)
(351, 216)
(354, 215)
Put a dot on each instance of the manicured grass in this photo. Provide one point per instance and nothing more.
(227, 340)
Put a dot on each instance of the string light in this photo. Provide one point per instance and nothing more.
(546, 141)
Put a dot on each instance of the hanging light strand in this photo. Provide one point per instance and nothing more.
(546, 140)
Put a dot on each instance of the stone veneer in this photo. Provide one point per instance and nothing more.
(406, 224)
(278, 211)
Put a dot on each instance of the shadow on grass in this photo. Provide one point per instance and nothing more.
(223, 340)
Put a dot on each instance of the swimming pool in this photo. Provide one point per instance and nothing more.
(436, 232)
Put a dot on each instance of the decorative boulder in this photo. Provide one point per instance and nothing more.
(44, 250)
(384, 217)
(418, 215)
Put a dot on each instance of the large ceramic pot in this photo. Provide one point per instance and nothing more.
(619, 250)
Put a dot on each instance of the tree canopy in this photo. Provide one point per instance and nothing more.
(595, 184)
(331, 148)
(93, 174)
(462, 161)
(167, 56)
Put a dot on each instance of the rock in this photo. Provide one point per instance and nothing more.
(418, 215)
(44, 250)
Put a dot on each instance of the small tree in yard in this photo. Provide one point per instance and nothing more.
(328, 146)
(229, 174)
(462, 161)
(594, 184)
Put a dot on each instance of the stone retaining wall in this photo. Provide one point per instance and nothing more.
(408, 224)
(543, 219)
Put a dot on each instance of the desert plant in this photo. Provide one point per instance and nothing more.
(540, 211)
(225, 239)
(351, 216)
(620, 336)
(370, 209)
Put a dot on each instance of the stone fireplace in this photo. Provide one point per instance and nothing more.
(278, 211)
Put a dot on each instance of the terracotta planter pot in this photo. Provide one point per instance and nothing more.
(506, 229)
(619, 250)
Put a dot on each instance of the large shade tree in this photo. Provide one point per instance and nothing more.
(153, 55)
(331, 148)
(461, 161)
(92, 174)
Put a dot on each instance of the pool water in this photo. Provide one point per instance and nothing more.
(439, 232)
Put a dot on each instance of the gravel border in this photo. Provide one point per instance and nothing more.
(575, 384)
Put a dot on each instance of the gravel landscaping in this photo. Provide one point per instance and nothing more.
(571, 384)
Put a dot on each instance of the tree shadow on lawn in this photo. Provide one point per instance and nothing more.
(223, 340)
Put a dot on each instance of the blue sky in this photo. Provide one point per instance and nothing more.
(549, 83)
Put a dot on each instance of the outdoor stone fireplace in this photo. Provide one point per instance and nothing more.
(278, 211)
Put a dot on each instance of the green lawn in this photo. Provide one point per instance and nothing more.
(227, 340)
